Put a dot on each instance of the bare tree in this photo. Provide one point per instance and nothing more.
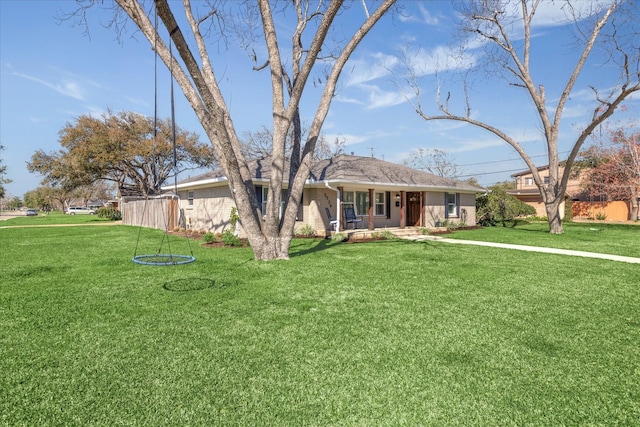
(435, 161)
(194, 72)
(258, 144)
(505, 29)
(326, 149)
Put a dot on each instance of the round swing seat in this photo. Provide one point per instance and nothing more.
(163, 259)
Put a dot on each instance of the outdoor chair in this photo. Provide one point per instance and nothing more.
(333, 223)
(351, 218)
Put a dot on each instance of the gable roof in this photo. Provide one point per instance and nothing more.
(562, 164)
(347, 170)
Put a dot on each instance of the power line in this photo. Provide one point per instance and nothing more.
(489, 173)
(507, 160)
(499, 161)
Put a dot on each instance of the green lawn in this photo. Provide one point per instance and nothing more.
(616, 239)
(376, 334)
(51, 218)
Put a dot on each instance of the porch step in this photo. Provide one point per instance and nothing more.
(406, 232)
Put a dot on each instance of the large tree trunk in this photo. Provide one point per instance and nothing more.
(633, 214)
(269, 248)
(552, 206)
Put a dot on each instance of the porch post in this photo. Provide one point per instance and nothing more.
(423, 208)
(339, 208)
(371, 194)
(403, 216)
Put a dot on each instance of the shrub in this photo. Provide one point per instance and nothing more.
(109, 213)
(233, 218)
(601, 215)
(209, 238)
(383, 235)
(339, 237)
(230, 239)
(305, 231)
(568, 210)
(498, 207)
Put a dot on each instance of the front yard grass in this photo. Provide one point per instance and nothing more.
(383, 333)
(51, 218)
(615, 239)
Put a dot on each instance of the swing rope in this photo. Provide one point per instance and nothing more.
(159, 258)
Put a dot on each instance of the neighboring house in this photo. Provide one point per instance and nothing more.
(381, 193)
(527, 191)
(582, 205)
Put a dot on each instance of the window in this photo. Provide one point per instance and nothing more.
(546, 179)
(348, 199)
(452, 201)
(190, 198)
(358, 200)
(528, 182)
(362, 203)
(380, 204)
(265, 192)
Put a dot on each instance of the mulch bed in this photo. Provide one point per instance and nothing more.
(245, 242)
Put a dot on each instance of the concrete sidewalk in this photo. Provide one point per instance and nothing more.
(568, 252)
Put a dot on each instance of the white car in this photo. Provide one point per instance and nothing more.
(76, 210)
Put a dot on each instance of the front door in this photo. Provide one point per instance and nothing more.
(414, 204)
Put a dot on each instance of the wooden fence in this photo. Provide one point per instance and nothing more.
(160, 213)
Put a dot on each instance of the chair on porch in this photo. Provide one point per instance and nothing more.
(351, 218)
(333, 223)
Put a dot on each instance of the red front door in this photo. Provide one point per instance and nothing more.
(414, 204)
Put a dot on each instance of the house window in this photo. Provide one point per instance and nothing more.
(380, 204)
(362, 203)
(452, 201)
(190, 198)
(348, 199)
(359, 201)
(265, 193)
(546, 179)
(283, 199)
(528, 182)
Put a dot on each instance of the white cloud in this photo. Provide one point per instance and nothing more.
(440, 59)
(551, 14)
(351, 139)
(423, 16)
(363, 71)
(69, 88)
(381, 98)
(465, 145)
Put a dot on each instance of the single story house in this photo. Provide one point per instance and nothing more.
(380, 194)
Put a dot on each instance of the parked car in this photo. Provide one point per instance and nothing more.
(32, 212)
(77, 210)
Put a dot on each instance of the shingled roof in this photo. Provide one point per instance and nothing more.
(345, 169)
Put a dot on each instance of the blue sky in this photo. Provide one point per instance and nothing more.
(52, 72)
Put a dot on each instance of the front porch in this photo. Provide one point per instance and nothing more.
(399, 232)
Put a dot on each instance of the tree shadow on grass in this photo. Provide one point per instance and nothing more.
(309, 246)
(317, 245)
(222, 280)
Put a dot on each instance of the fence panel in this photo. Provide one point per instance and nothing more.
(152, 213)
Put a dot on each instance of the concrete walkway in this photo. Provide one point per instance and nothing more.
(529, 248)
